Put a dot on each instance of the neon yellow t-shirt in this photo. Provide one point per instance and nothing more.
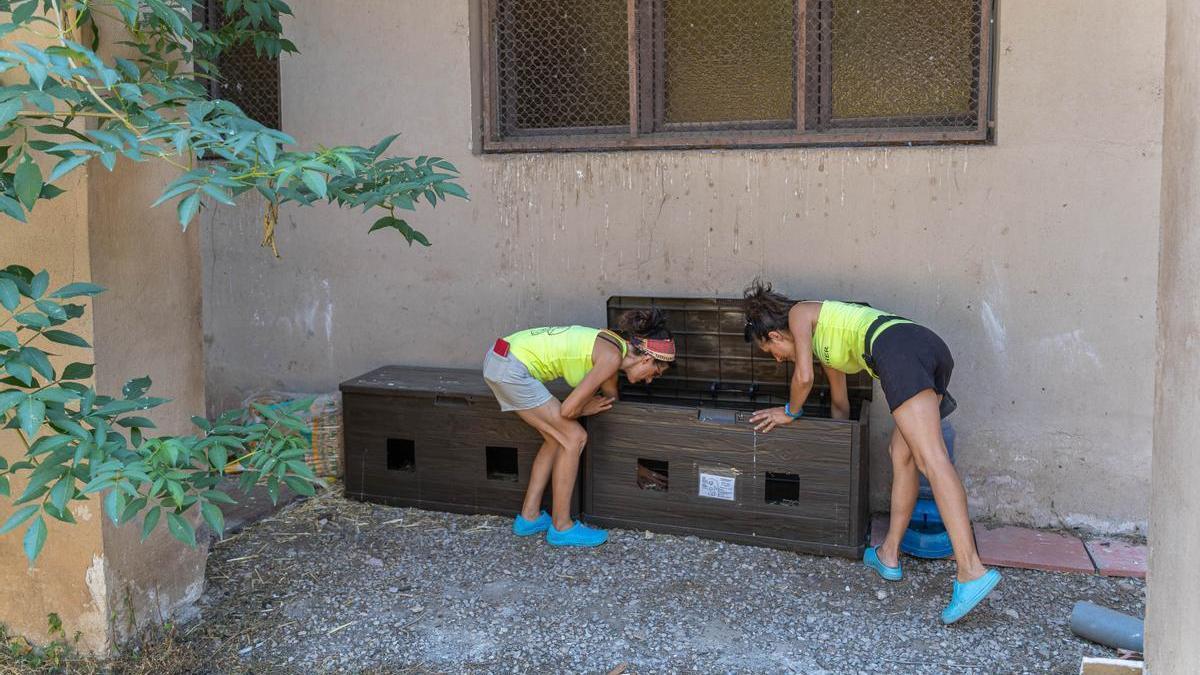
(841, 331)
(552, 352)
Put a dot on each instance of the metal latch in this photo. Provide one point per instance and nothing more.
(722, 416)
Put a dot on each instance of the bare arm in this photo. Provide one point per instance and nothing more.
(583, 400)
(800, 324)
(609, 388)
(839, 399)
(801, 319)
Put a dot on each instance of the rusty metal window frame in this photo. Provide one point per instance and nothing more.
(812, 123)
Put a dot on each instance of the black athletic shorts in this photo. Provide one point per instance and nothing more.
(910, 358)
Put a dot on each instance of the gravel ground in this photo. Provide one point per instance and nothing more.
(329, 585)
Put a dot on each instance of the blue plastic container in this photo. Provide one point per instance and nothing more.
(926, 535)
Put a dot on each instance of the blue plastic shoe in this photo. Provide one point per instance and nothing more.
(576, 535)
(524, 528)
(966, 596)
(871, 559)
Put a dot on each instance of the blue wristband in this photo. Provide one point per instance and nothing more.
(787, 410)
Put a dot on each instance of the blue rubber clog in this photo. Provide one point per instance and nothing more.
(524, 528)
(576, 535)
(966, 596)
(871, 559)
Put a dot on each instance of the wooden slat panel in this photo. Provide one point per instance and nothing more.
(450, 447)
(860, 462)
(817, 451)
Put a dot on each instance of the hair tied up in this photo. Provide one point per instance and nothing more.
(766, 310)
(645, 323)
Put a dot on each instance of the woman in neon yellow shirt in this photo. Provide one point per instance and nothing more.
(913, 366)
(517, 368)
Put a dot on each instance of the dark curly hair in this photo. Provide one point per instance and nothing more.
(766, 310)
(644, 323)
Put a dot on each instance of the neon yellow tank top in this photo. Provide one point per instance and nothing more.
(557, 351)
(840, 332)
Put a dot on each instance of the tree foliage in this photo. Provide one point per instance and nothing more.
(64, 99)
(79, 443)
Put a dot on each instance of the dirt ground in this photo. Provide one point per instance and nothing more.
(329, 585)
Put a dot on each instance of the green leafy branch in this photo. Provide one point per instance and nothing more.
(155, 107)
(80, 444)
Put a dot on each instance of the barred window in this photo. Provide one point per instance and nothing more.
(244, 77)
(611, 74)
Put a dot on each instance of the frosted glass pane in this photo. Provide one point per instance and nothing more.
(904, 58)
(729, 60)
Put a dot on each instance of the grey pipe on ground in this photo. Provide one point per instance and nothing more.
(1107, 627)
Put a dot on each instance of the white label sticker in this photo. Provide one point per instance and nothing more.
(717, 487)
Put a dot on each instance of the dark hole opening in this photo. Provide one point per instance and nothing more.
(783, 488)
(652, 474)
(502, 463)
(401, 455)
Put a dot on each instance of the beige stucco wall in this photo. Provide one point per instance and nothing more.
(68, 578)
(1035, 257)
(1173, 613)
(146, 323)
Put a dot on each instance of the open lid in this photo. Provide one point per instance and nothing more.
(714, 363)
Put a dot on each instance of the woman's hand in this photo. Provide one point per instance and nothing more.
(596, 405)
(768, 419)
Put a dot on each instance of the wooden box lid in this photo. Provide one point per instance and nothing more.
(426, 382)
(714, 363)
(419, 381)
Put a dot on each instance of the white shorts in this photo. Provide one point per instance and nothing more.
(512, 384)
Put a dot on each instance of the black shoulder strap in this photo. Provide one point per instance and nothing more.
(612, 338)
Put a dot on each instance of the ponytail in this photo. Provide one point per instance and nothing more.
(766, 311)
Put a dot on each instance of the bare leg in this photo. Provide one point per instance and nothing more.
(905, 488)
(539, 478)
(919, 421)
(566, 469)
(571, 438)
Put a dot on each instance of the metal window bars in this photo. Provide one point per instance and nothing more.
(613, 74)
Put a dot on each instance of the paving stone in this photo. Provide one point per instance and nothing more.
(1010, 546)
(1115, 558)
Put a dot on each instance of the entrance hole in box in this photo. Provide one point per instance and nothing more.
(502, 463)
(401, 455)
(652, 474)
(782, 489)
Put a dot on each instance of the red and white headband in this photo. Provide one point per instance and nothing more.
(661, 350)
